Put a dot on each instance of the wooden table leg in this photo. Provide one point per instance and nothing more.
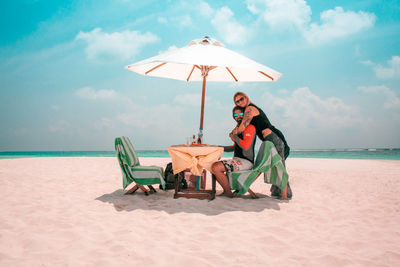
(213, 186)
(202, 193)
(176, 186)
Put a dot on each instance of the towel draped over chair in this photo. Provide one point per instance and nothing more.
(131, 169)
(269, 162)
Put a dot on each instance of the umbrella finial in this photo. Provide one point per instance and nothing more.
(206, 41)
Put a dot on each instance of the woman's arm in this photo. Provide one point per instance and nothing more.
(247, 117)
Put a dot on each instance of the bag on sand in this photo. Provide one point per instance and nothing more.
(169, 178)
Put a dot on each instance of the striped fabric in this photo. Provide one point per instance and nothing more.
(130, 166)
(269, 162)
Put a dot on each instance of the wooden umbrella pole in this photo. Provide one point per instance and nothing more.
(204, 73)
(202, 103)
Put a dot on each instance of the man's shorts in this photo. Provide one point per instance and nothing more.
(237, 164)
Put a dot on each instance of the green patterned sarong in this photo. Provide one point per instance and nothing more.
(269, 162)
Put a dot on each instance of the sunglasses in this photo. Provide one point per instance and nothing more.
(237, 114)
(239, 100)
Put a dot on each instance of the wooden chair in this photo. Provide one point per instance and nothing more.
(132, 171)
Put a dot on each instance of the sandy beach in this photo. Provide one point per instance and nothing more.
(72, 212)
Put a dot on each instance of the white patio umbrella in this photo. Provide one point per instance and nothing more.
(205, 60)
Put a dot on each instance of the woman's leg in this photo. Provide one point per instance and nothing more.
(280, 148)
(218, 169)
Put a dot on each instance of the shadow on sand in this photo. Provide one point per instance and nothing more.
(164, 201)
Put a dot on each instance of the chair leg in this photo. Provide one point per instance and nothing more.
(253, 195)
(132, 190)
(146, 192)
(152, 189)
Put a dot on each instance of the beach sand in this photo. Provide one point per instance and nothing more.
(72, 212)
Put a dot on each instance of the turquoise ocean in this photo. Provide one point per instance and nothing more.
(372, 153)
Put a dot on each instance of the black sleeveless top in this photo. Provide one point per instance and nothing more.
(261, 122)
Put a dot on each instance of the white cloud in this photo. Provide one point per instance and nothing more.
(283, 13)
(90, 93)
(367, 62)
(336, 23)
(147, 116)
(283, 91)
(170, 49)
(155, 126)
(162, 20)
(190, 100)
(307, 112)
(122, 45)
(19, 132)
(310, 121)
(252, 8)
(183, 21)
(228, 28)
(391, 71)
(392, 100)
(205, 9)
(60, 126)
(55, 107)
(103, 123)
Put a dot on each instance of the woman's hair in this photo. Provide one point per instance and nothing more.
(241, 94)
(236, 108)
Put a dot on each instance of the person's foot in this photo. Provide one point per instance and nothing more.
(289, 191)
(275, 191)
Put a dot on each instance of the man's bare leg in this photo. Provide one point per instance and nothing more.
(218, 169)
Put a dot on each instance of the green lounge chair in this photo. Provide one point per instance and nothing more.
(132, 171)
(269, 162)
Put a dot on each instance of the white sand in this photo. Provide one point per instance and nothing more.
(72, 212)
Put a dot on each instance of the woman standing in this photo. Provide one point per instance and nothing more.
(265, 131)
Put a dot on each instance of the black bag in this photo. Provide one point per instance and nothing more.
(169, 178)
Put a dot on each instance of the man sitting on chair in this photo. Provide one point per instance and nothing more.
(243, 157)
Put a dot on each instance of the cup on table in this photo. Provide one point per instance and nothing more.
(188, 141)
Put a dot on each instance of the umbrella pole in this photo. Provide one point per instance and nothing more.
(202, 103)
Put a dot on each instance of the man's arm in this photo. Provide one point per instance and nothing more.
(228, 148)
(248, 136)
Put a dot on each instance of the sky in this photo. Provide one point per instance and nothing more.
(63, 85)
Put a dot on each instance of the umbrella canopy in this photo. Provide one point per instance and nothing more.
(205, 60)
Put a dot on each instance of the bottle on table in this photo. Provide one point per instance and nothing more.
(194, 139)
(200, 137)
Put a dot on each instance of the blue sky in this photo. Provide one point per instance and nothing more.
(63, 85)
